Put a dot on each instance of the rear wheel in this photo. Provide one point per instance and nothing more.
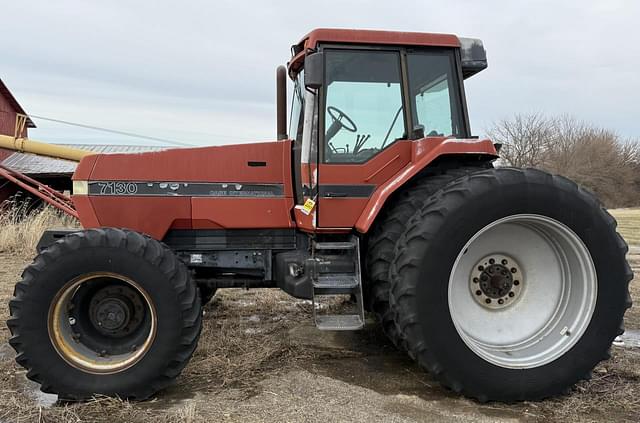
(510, 285)
(105, 311)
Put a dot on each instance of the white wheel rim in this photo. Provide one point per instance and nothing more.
(552, 306)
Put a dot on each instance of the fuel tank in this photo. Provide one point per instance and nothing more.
(224, 187)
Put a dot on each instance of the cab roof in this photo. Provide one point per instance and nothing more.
(367, 36)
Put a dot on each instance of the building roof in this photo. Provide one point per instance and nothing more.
(4, 91)
(32, 164)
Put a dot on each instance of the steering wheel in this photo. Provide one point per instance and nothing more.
(338, 115)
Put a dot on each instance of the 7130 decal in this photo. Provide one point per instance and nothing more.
(117, 188)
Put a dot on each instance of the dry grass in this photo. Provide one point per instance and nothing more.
(628, 224)
(22, 227)
(243, 337)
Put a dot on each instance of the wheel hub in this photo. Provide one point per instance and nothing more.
(112, 314)
(114, 311)
(496, 281)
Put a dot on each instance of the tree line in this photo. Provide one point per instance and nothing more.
(596, 158)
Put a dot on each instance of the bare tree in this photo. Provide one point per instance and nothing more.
(594, 157)
(524, 138)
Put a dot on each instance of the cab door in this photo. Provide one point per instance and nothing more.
(304, 131)
(363, 126)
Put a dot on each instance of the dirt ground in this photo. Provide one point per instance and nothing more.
(260, 359)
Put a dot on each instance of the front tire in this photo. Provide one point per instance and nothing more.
(105, 311)
(459, 309)
(206, 294)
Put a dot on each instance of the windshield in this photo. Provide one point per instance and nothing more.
(295, 123)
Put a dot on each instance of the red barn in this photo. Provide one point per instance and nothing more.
(9, 108)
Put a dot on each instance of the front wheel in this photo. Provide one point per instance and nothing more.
(510, 285)
(105, 311)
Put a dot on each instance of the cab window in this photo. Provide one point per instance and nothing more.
(363, 105)
(433, 90)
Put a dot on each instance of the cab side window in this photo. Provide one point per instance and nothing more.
(434, 94)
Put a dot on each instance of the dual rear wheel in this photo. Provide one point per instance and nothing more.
(509, 284)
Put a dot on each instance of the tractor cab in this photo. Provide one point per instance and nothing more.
(360, 98)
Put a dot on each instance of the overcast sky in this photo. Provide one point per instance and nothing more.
(203, 72)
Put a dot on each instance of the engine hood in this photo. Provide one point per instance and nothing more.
(239, 163)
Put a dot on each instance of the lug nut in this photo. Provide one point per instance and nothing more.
(511, 294)
(488, 301)
(491, 261)
(516, 282)
(475, 280)
(504, 262)
(481, 268)
(478, 292)
(500, 301)
(514, 270)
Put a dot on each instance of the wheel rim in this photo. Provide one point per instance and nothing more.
(102, 323)
(536, 320)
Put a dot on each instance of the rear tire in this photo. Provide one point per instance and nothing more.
(105, 311)
(492, 351)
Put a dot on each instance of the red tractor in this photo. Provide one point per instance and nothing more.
(506, 284)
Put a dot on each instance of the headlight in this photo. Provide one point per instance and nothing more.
(80, 188)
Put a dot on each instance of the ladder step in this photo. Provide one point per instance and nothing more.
(339, 322)
(335, 245)
(336, 281)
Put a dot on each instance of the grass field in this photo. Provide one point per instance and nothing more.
(260, 359)
(628, 224)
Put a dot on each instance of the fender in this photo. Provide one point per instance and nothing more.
(423, 152)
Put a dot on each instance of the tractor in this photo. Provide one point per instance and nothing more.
(505, 284)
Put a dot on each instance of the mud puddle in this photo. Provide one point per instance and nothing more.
(629, 339)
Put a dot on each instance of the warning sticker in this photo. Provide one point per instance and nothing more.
(308, 206)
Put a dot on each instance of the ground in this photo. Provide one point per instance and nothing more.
(261, 360)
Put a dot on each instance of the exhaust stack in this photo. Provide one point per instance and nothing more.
(281, 102)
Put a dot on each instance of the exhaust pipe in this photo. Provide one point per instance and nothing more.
(281, 102)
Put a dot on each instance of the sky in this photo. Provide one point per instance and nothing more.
(203, 72)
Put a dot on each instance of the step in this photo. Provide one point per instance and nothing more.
(339, 322)
(336, 281)
(348, 245)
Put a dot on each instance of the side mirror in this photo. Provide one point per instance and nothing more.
(314, 70)
(474, 56)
